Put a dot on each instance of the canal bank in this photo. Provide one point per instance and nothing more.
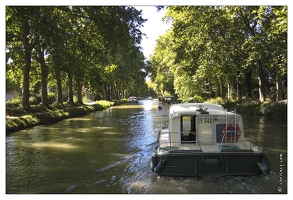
(17, 120)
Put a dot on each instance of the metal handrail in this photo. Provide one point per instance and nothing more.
(172, 144)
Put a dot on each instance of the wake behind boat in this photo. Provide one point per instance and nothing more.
(202, 138)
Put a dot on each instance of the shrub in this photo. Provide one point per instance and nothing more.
(104, 103)
(275, 110)
(218, 100)
(35, 100)
(15, 102)
(230, 105)
(51, 97)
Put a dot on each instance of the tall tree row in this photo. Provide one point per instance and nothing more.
(71, 48)
(223, 51)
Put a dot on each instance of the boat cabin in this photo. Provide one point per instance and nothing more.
(201, 124)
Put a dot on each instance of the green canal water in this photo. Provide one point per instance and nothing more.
(108, 152)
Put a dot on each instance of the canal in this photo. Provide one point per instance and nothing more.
(108, 152)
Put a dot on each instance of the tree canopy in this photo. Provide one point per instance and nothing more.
(209, 51)
(223, 51)
(73, 49)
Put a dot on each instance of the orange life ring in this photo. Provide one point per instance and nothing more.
(233, 136)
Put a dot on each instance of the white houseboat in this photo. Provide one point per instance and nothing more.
(165, 102)
(202, 138)
(133, 99)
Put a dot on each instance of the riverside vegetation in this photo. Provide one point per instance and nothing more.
(17, 118)
(269, 109)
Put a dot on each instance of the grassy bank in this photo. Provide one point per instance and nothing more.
(18, 119)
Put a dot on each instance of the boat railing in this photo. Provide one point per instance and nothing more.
(248, 142)
(252, 137)
(167, 144)
(164, 123)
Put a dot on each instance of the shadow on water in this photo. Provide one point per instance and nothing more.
(108, 152)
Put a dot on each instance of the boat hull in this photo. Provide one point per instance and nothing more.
(198, 163)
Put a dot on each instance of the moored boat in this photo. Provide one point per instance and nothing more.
(201, 138)
(133, 99)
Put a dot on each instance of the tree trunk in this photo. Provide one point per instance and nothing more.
(25, 86)
(248, 75)
(280, 95)
(261, 82)
(240, 91)
(108, 93)
(59, 89)
(221, 88)
(44, 75)
(70, 89)
(26, 68)
(79, 93)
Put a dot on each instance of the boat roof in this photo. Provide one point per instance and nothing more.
(198, 108)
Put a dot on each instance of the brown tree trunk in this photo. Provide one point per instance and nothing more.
(248, 75)
(26, 68)
(221, 88)
(79, 93)
(59, 89)
(70, 89)
(44, 75)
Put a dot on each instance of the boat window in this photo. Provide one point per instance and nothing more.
(188, 129)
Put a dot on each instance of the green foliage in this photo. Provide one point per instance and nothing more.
(217, 100)
(248, 107)
(241, 106)
(104, 103)
(90, 46)
(14, 102)
(223, 51)
(269, 109)
(196, 99)
(51, 97)
(120, 101)
(275, 110)
(35, 100)
(26, 121)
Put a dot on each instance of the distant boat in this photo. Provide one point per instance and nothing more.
(133, 99)
(165, 102)
(150, 98)
(200, 138)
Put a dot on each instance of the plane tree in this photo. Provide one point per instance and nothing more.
(224, 51)
(71, 46)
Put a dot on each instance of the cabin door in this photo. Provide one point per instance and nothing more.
(204, 127)
(188, 129)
